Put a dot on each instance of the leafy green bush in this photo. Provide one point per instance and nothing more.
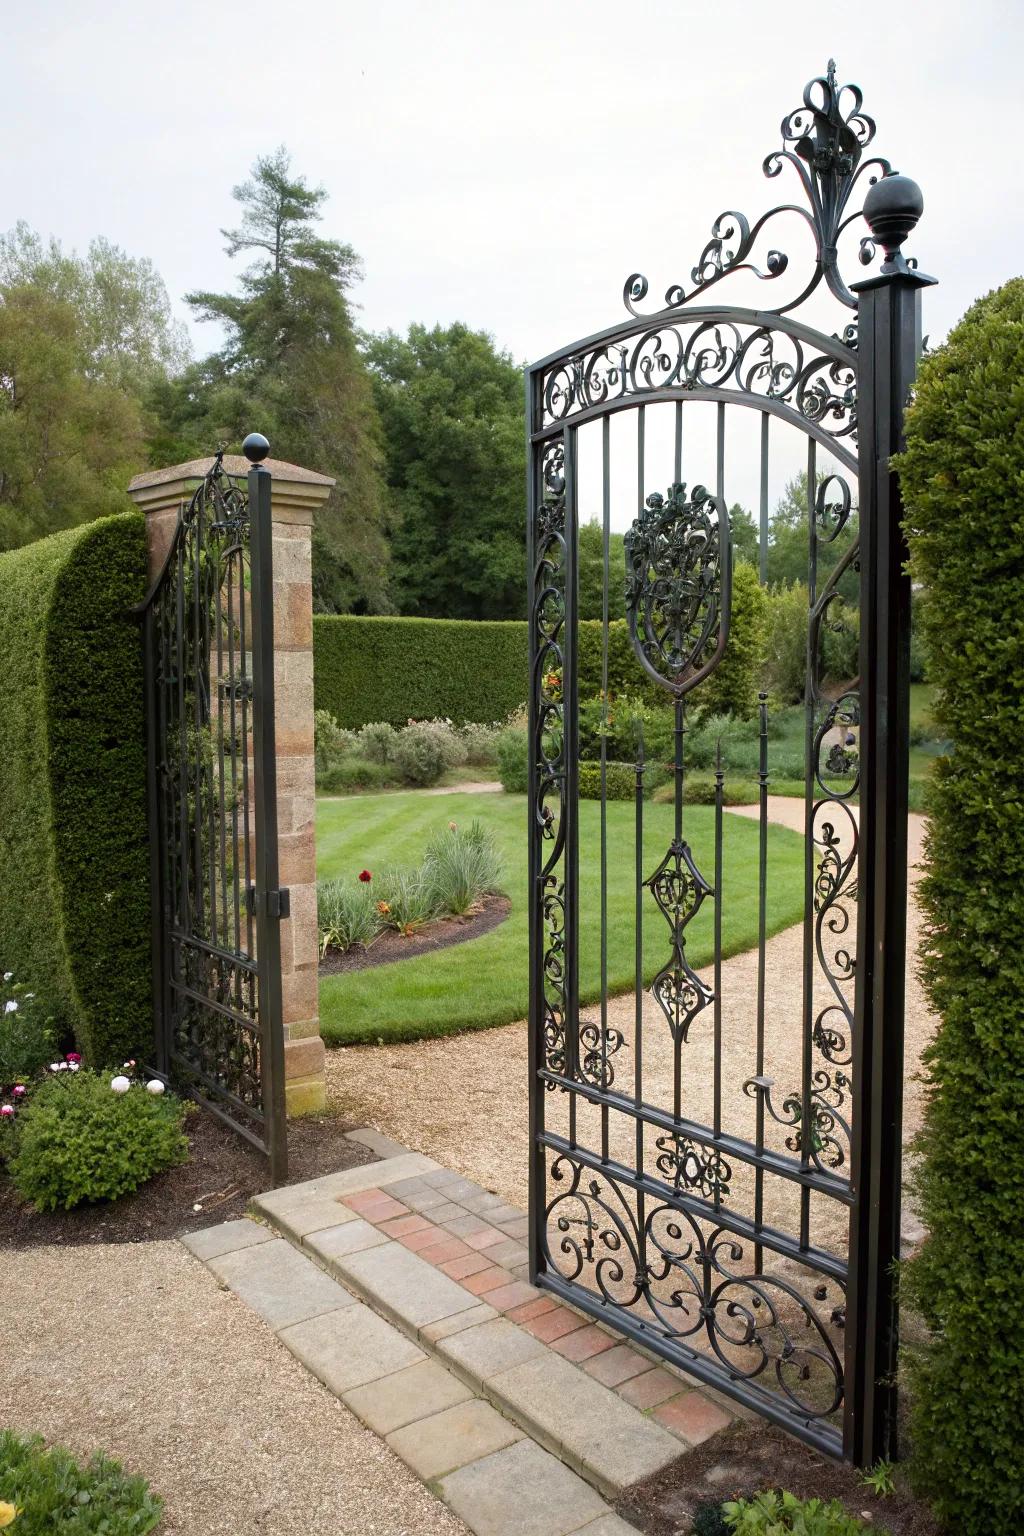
(74, 858)
(481, 742)
(330, 742)
(513, 761)
(962, 475)
(77, 1139)
(53, 1493)
(460, 866)
(27, 1032)
(425, 750)
(399, 669)
(778, 1514)
(620, 781)
(350, 774)
(377, 741)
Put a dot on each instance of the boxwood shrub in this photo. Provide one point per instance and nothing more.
(963, 483)
(74, 869)
(76, 1139)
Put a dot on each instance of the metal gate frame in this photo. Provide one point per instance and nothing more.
(211, 773)
(851, 386)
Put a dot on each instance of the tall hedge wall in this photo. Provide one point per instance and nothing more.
(963, 482)
(74, 870)
(400, 669)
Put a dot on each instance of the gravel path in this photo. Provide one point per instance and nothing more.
(464, 1101)
(135, 1349)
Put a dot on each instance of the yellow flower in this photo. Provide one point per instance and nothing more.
(8, 1514)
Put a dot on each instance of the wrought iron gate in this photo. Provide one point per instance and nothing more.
(715, 1158)
(216, 904)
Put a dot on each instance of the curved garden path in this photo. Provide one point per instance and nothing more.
(463, 1099)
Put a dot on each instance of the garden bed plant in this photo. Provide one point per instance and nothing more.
(459, 878)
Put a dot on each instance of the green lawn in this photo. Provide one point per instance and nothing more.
(484, 982)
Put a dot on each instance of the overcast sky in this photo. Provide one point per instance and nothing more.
(506, 165)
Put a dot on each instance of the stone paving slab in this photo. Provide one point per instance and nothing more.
(279, 1284)
(578, 1418)
(351, 1347)
(382, 1146)
(431, 1417)
(297, 1216)
(418, 1392)
(228, 1237)
(350, 1237)
(521, 1491)
(457, 1323)
(403, 1286)
(453, 1438)
(484, 1351)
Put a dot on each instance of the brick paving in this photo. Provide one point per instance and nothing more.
(491, 1262)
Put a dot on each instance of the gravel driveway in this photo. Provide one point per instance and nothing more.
(135, 1349)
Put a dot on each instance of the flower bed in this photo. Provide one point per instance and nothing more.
(459, 870)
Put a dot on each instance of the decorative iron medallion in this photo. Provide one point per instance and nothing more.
(678, 581)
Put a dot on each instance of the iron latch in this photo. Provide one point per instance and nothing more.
(278, 903)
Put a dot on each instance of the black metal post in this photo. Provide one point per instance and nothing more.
(271, 905)
(888, 347)
(535, 1088)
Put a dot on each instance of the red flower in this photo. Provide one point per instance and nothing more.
(365, 876)
(73, 1056)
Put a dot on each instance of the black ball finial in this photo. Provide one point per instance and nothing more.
(256, 447)
(892, 209)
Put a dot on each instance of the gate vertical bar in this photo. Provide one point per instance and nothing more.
(535, 1089)
(888, 347)
(267, 895)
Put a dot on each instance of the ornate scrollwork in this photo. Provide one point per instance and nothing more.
(730, 355)
(678, 571)
(824, 142)
(692, 1167)
(691, 1282)
(548, 744)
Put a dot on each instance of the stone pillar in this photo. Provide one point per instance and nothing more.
(296, 494)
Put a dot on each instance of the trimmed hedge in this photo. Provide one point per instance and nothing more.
(417, 669)
(398, 669)
(74, 865)
(963, 482)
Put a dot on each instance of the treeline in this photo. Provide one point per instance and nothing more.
(423, 433)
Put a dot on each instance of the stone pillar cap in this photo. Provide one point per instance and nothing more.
(296, 492)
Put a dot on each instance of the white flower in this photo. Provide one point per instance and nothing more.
(11, 1006)
(55, 1066)
(8, 975)
(62, 1066)
(72, 1066)
(154, 1085)
(120, 1084)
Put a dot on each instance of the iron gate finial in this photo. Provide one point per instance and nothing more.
(256, 447)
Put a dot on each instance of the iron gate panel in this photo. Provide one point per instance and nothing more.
(208, 639)
(742, 1226)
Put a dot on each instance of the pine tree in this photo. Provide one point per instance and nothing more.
(290, 367)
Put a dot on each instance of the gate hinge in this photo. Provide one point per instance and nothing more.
(279, 902)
